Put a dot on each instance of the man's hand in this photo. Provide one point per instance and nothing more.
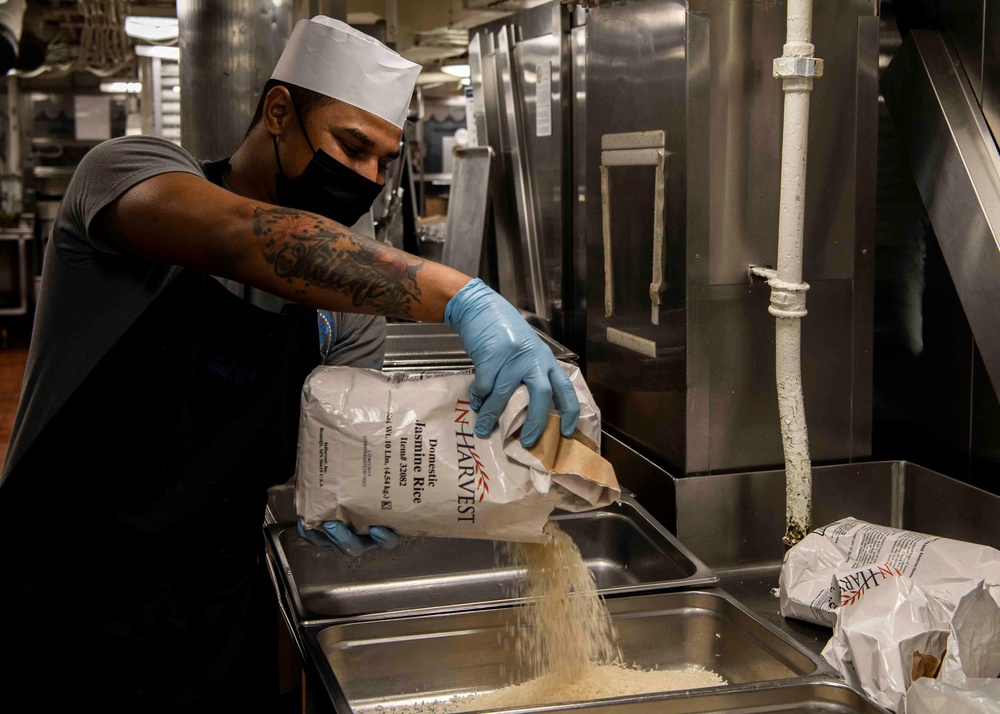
(339, 535)
(506, 352)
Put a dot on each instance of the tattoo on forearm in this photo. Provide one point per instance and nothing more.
(305, 251)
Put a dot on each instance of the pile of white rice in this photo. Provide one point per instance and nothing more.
(564, 640)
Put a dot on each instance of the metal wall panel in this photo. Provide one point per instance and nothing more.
(957, 170)
(984, 444)
(228, 51)
(534, 184)
(576, 308)
(636, 81)
(951, 423)
(520, 176)
(924, 349)
(746, 106)
(647, 399)
(963, 21)
(504, 237)
(697, 430)
(866, 131)
(733, 520)
(743, 429)
(991, 66)
(544, 153)
(706, 401)
(733, 79)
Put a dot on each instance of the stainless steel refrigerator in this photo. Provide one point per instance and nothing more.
(674, 105)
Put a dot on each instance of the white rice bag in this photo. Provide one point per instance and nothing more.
(399, 450)
(974, 696)
(890, 630)
(944, 568)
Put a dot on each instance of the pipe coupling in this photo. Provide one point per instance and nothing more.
(787, 299)
(798, 49)
(656, 290)
(791, 67)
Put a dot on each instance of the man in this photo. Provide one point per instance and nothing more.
(176, 323)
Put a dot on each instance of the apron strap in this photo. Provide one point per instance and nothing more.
(215, 171)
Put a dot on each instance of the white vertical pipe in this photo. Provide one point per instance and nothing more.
(13, 126)
(796, 68)
(800, 18)
(391, 22)
(791, 212)
(794, 144)
(14, 142)
(794, 434)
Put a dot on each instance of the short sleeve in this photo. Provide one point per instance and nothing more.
(359, 340)
(105, 173)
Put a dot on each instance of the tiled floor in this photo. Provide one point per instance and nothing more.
(11, 373)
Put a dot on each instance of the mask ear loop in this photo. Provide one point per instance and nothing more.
(302, 128)
(277, 157)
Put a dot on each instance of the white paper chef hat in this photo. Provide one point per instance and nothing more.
(332, 58)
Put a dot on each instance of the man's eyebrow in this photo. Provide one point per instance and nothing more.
(367, 143)
(362, 138)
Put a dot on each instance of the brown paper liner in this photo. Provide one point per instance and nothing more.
(924, 665)
(576, 455)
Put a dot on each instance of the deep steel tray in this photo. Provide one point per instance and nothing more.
(364, 665)
(733, 522)
(815, 697)
(627, 551)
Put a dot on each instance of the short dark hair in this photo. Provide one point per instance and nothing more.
(304, 100)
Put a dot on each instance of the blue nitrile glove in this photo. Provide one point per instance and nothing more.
(506, 352)
(339, 534)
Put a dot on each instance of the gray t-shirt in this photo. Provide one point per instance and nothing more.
(91, 292)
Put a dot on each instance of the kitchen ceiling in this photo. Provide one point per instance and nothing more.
(427, 31)
(87, 35)
(434, 32)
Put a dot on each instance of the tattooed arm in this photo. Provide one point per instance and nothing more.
(184, 220)
(312, 253)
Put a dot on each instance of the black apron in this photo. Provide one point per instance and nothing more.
(130, 531)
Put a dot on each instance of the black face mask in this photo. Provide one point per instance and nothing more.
(326, 187)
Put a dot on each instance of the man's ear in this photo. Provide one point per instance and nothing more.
(277, 110)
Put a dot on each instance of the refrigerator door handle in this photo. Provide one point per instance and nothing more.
(644, 148)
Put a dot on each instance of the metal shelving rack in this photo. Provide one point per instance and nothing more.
(160, 98)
